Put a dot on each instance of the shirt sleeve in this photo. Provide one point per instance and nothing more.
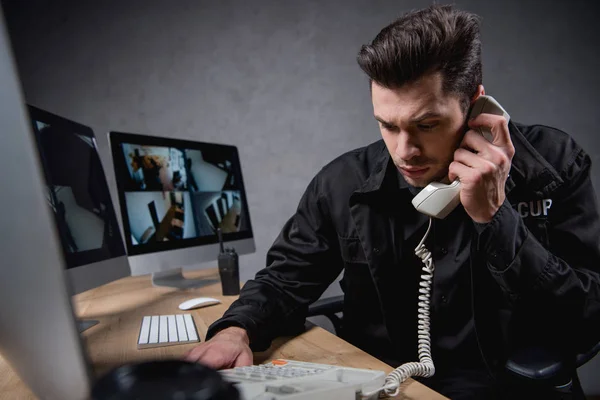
(560, 283)
(302, 262)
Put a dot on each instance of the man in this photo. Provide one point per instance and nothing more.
(516, 264)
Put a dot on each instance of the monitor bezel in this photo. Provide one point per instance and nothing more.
(117, 138)
(88, 257)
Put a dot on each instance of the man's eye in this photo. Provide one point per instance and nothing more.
(390, 128)
(426, 127)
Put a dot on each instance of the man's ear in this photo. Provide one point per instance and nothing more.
(480, 92)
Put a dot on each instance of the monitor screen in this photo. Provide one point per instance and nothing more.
(176, 193)
(76, 190)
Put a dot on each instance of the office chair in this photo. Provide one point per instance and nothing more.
(535, 365)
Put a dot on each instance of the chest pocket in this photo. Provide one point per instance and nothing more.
(357, 282)
(356, 268)
(352, 251)
(539, 227)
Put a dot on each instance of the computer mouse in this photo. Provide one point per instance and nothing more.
(198, 302)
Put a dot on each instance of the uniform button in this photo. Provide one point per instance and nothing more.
(444, 251)
(444, 299)
(376, 250)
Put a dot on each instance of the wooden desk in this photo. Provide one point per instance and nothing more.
(120, 306)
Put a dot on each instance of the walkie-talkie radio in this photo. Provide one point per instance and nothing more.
(229, 269)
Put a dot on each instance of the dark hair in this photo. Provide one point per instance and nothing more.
(435, 39)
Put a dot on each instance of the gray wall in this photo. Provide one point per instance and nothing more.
(279, 79)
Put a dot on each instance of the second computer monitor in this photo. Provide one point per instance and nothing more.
(78, 196)
(174, 195)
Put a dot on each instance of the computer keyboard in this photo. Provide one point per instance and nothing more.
(297, 380)
(167, 330)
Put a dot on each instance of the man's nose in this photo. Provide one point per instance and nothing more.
(406, 147)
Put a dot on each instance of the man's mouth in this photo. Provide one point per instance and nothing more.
(414, 172)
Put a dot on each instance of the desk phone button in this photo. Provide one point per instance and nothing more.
(283, 389)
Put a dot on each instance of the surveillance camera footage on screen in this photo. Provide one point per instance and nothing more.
(176, 194)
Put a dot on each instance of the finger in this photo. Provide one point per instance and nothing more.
(459, 171)
(496, 124)
(195, 354)
(243, 360)
(481, 165)
(500, 156)
(475, 141)
(213, 359)
(466, 149)
(478, 161)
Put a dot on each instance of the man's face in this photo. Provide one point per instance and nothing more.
(421, 127)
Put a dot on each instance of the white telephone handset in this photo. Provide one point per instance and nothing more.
(438, 199)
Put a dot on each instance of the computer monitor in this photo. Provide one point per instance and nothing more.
(38, 337)
(174, 195)
(78, 196)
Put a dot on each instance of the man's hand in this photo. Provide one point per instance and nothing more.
(229, 348)
(482, 167)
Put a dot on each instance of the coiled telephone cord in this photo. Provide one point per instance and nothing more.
(424, 367)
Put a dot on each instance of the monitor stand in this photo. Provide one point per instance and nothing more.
(174, 278)
(83, 324)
